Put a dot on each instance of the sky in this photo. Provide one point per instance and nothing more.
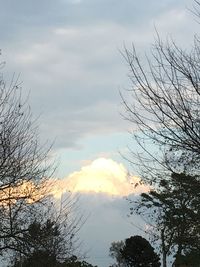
(68, 56)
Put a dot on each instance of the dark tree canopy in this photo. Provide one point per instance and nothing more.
(138, 252)
(175, 210)
(43, 259)
(46, 244)
(74, 262)
(41, 245)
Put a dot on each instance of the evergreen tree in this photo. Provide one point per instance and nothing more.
(138, 252)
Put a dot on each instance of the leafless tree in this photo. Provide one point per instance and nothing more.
(52, 231)
(163, 106)
(24, 163)
(26, 169)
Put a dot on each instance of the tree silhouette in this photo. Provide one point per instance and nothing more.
(41, 245)
(74, 262)
(175, 213)
(163, 105)
(138, 252)
(115, 252)
(24, 164)
(51, 238)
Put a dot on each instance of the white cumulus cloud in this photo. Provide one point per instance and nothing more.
(100, 176)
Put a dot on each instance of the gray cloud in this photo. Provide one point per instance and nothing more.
(67, 54)
(25, 14)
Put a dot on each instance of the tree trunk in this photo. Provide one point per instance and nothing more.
(164, 260)
(164, 253)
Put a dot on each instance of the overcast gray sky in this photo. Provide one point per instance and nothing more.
(67, 53)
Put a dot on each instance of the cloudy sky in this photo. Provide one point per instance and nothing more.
(67, 53)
